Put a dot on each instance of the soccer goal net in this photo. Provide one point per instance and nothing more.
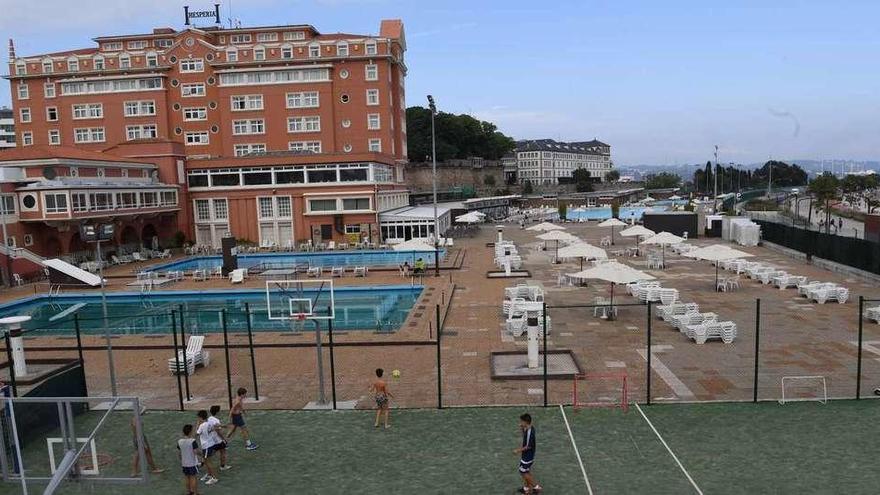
(804, 389)
(600, 390)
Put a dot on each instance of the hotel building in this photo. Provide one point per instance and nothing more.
(7, 129)
(276, 135)
(546, 161)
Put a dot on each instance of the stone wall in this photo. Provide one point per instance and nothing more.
(419, 178)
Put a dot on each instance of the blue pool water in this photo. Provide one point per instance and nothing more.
(289, 260)
(604, 212)
(381, 308)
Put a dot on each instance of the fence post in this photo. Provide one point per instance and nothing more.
(226, 352)
(11, 361)
(184, 345)
(176, 359)
(757, 346)
(439, 365)
(247, 310)
(79, 350)
(332, 359)
(859, 365)
(648, 402)
(544, 316)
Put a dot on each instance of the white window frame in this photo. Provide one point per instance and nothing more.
(73, 64)
(49, 117)
(48, 67)
(99, 63)
(151, 59)
(141, 108)
(313, 146)
(124, 61)
(305, 123)
(371, 68)
(89, 135)
(248, 127)
(191, 65)
(286, 52)
(248, 102)
(137, 44)
(54, 137)
(371, 48)
(49, 90)
(55, 209)
(193, 114)
(374, 121)
(232, 55)
(259, 53)
(186, 90)
(314, 50)
(23, 91)
(24, 115)
(342, 49)
(242, 149)
(372, 102)
(197, 138)
(240, 38)
(89, 111)
(374, 145)
(27, 138)
(266, 37)
(142, 131)
(304, 99)
(294, 36)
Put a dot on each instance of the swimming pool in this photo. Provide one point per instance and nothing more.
(381, 308)
(604, 212)
(289, 260)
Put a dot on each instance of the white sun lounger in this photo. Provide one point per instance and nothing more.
(193, 356)
(237, 276)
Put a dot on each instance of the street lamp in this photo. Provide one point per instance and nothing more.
(99, 234)
(715, 197)
(433, 108)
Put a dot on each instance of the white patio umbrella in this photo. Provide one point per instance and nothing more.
(674, 197)
(612, 222)
(583, 251)
(545, 227)
(471, 217)
(413, 245)
(717, 253)
(664, 239)
(557, 235)
(637, 231)
(614, 272)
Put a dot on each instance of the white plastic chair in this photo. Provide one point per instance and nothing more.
(193, 356)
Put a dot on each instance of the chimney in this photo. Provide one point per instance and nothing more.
(11, 50)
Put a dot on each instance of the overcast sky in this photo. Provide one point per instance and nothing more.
(662, 82)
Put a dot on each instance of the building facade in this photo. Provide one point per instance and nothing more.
(275, 135)
(7, 129)
(546, 161)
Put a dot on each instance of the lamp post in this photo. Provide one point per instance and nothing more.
(715, 197)
(3, 215)
(101, 233)
(433, 108)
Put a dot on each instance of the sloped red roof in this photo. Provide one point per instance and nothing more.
(78, 51)
(60, 152)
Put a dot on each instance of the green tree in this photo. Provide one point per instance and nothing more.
(527, 187)
(458, 136)
(488, 180)
(612, 176)
(582, 180)
(663, 180)
(825, 188)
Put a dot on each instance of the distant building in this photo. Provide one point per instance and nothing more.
(509, 168)
(7, 128)
(546, 161)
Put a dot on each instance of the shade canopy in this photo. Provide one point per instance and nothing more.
(413, 245)
(471, 217)
(664, 239)
(612, 222)
(582, 250)
(637, 230)
(557, 235)
(717, 252)
(674, 197)
(545, 227)
(614, 272)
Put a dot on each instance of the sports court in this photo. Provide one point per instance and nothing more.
(802, 447)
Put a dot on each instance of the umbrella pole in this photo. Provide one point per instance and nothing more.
(612, 235)
(611, 307)
(582, 263)
(716, 275)
(557, 250)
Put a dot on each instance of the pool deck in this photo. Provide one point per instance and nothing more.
(797, 338)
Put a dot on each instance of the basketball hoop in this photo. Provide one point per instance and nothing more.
(300, 316)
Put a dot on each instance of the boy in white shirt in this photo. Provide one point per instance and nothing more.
(206, 440)
(219, 438)
(189, 460)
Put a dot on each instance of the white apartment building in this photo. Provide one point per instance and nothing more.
(7, 128)
(546, 161)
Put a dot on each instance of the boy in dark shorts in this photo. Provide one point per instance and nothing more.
(189, 460)
(219, 440)
(206, 440)
(527, 455)
(236, 417)
(382, 395)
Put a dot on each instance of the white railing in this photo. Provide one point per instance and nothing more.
(17, 252)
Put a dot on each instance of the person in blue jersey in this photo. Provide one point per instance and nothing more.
(527, 455)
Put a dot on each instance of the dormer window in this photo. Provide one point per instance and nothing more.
(342, 49)
(259, 53)
(152, 59)
(48, 66)
(124, 61)
(98, 62)
(370, 48)
(314, 50)
(232, 55)
(72, 65)
(20, 69)
(286, 51)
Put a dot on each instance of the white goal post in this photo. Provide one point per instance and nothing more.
(815, 379)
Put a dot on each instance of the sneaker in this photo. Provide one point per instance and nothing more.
(224, 468)
(538, 488)
(252, 446)
(205, 477)
(158, 471)
(211, 481)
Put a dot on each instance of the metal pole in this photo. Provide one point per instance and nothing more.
(247, 310)
(332, 360)
(439, 367)
(715, 176)
(859, 365)
(648, 402)
(11, 361)
(6, 248)
(226, 352)
(176, 359)
(322, 399)
(544, 316)
(183, 345)
(757, 346)
(79, 351)
(107, 339)
(434, 186)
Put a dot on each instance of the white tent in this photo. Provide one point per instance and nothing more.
(664, 239)
(614, 272)
(471, 217)
(413, 245)
(612, 222)
(717, 253)
(545, 226)
(583, 251)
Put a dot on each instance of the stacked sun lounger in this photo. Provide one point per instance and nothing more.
(506, 253)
